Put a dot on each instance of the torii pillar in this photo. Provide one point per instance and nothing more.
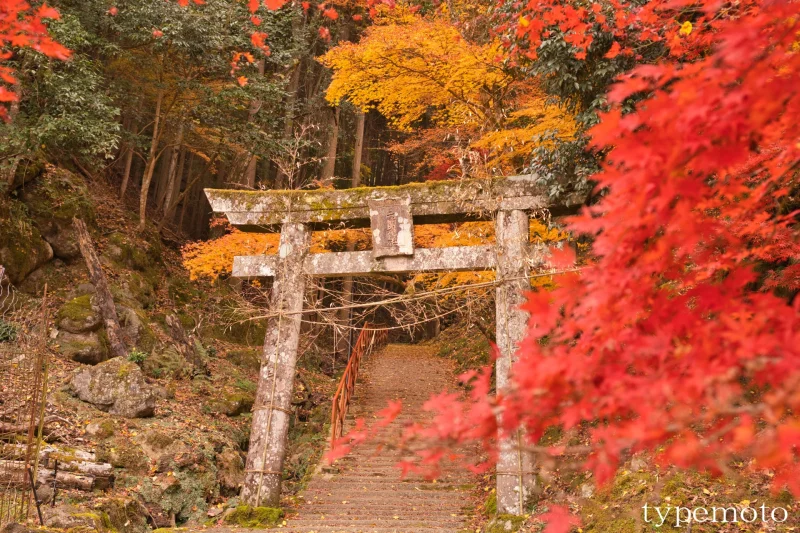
(391, 212)
(515, 477)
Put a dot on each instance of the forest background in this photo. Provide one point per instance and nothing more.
(695, 151)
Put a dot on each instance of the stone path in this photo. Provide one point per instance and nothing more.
(366, 494)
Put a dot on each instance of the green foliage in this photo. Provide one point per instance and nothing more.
(137, 356)
(8, 331)
(581, 85)
(64, 108)
(247, 516)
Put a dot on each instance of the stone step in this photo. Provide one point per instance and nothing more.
(370, 521)
(363, 529)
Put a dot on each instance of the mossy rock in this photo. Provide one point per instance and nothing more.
(158, 439)
(22, 248)
(74, 519)
(247, 516)
(79, 315)
(89, 348)
(249, 333)
(184, 493)
(101, 429)
(125, 514)
(136, 326)
(123, 453)
(60, 194)
(490, 505)
(247, 358)
(230, 471)
(504, 523)
(54, 200)
(129, 254)
(232, 404)
(28, 169)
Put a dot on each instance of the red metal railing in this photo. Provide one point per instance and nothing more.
(369, 338)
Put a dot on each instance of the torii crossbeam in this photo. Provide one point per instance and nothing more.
(391, 212)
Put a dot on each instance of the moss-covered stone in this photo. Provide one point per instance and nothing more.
(89, 348)
(232, 403)
(158, 440)
(249, 333)
(121, 452)
(126, 515)
(54, 199)
(79, 315)
(248, 358)
(504, 523)
(247, 516)
(101, 429)
(181, 291)
(22, 248)
(184, 493)
(136, 325)
(74, 519)
(60, 194)
(129, 254)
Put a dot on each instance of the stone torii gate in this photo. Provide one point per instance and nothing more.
(391, 212)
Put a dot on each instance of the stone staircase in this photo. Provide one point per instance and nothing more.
(364, 492)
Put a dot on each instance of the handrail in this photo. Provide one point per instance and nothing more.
(368, 339)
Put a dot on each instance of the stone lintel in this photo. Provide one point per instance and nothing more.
(430, 202)
(454, 258)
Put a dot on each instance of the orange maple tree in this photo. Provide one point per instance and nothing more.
(23, 26)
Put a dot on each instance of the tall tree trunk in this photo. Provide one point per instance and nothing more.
(329, 166)
(151, 163)
(172, 173)
(161, 176)
(129, 152)
(282, 181)
(347, 286)
(126, 174)
(187, 192)
(252, 166)
(355, 180)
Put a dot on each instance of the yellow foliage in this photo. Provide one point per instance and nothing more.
(417, 71)
(511, 146)
(411, 67)
(214, 258)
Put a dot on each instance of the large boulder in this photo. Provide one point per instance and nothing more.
(22, 249)
(232, 404)
(88, 348)
(54, 200)
(79, 315)
(116, 386)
